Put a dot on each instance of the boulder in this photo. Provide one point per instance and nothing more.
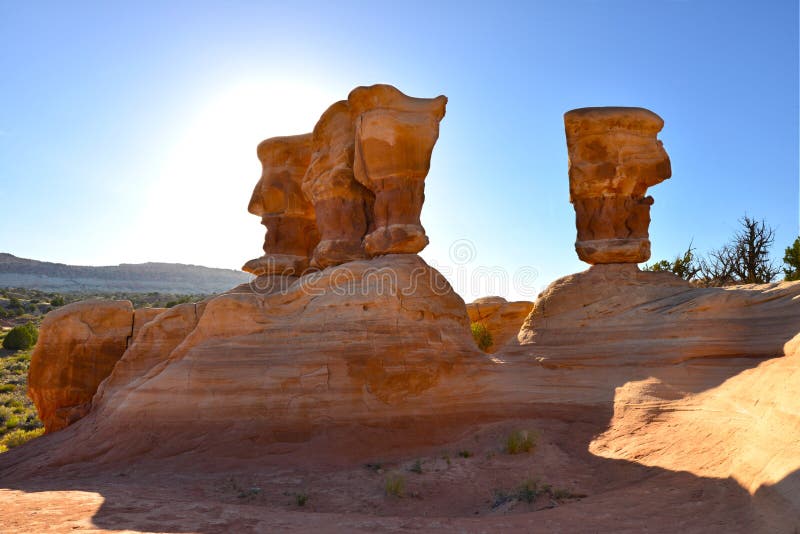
(79, 344)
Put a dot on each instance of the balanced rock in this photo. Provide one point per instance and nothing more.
(614, 156)
(284, 209)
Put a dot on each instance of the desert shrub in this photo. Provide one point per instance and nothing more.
(21, 337)
(464, 454)
(416, 467)
(482, 336)
(685, 266)
(521, 441)
(57, 301)
(395, 485)
(15, 438)
(300, 499)
(530, 490)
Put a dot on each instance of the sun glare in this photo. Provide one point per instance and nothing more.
(197, 206)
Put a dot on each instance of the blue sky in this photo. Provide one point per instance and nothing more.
(128, 129)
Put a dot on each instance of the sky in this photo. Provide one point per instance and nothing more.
(128, 129)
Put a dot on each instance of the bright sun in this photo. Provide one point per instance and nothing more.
(197, 207)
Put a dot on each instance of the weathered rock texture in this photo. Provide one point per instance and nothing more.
(503, 319)
(614, 157)
(746, 428)
(619, 314)
(363, 343)
(78, 347)
(394, 139)
(676, 385)
(285, 211)
(343, 206)
(352, 189)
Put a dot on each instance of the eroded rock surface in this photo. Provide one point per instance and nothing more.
(619, 314)
(343, 206)
(394, 139)
(285, 211)
(353, 188)
(614, 156)
(365, 342)
(79, 344)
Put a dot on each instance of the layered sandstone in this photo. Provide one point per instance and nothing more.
(370, 156)
(78, 346)
(285, 211)
(501, 318)
(394, 139)
(746, 429)
(613, 314)
(272, 366)
(342, 205)
(614, 156)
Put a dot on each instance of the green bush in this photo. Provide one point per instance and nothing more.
(15, 438)
(521, 441)
(482, 336)
(792, 261)
(21, 337)
(57, 301)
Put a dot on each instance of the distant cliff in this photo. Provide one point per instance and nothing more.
(139, 277)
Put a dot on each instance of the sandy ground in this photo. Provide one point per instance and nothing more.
(469, 484)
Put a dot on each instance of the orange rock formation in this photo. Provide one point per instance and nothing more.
(658, 391)
(614, 157)
(285, 211)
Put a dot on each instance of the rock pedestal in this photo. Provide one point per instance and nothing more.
(614, 157)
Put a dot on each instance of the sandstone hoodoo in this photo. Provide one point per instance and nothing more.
(614, 157)
(284, 210)
(352, 189)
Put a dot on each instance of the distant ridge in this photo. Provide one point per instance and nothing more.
(132, 277)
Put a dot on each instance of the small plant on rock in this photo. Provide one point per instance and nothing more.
(482, 336)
